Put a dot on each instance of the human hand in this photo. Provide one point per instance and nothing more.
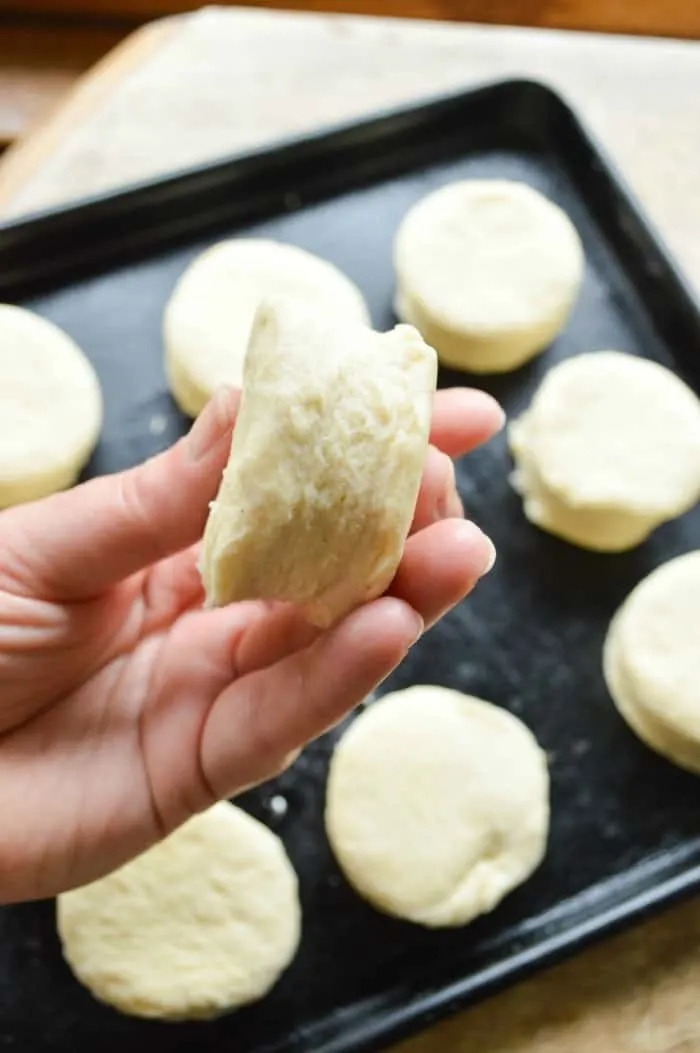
(125, 707)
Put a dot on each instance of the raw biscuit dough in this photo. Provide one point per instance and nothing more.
(325, 466)
(652, 660)
(488, 271)
(208, 319)
(201, 923)
(437, 805)
(608, 450)
(50, 407)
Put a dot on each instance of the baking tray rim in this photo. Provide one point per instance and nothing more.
(23, 228)
(394, 1025)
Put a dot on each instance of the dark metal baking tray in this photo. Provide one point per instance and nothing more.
(625, 836)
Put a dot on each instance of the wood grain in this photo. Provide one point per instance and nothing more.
(633, 994)
(26, 156)
(39, 63)
(660, 17)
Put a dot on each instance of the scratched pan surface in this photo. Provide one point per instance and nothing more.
(625, 835)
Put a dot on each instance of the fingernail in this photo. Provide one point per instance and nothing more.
(482, 549)
(212, 424)
(491, 556)
(503, 416)
(418, 627)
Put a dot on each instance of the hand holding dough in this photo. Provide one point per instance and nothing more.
(325, 466)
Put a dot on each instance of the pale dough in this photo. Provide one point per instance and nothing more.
(208, 319)
(652, 660)
(201, 923)
(488, 271)
(325, 466)
(608, 450)
(437, 805)
(50, 407)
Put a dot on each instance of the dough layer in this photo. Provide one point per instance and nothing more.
(50, 407)
(325, 466)
(201, 923)
(437, 805)
(209, 316)
(651, 660)
(608, 450)
(488, 271)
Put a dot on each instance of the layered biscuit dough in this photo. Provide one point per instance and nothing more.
(488, 271)
(652, 660)
(201, 923)
(208, 318)
(437, 805)
(325, 465)
(50, 407)
(608, 449)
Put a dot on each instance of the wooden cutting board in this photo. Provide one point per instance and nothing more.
(252, 77)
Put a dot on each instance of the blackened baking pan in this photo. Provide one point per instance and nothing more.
(625, 836)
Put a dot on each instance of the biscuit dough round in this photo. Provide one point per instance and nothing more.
(437, 805)
(651, 660)
(608, 449)
(325, 465)
(488, 271)
(50, 407)
(201, 923)
(208, 319)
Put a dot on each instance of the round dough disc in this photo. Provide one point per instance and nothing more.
(488, 271)
(608, 450)
(208, 319)
(201, 923)
(50, 407)
(652, 660)
(326, 461)
(437, 805)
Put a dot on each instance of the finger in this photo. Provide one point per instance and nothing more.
(269, 639)
(112, 526)
(171, 587)
(257, 722)
(194, 664)
(285, 630)
(461, 417)
(244, 732)
(441, 565)
(438, 498)
(438, 569)
(464, 418)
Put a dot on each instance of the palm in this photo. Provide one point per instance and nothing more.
(127, 708)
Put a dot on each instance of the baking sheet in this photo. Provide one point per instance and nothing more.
(625, 835)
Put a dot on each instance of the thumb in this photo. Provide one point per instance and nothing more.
(73, 545)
